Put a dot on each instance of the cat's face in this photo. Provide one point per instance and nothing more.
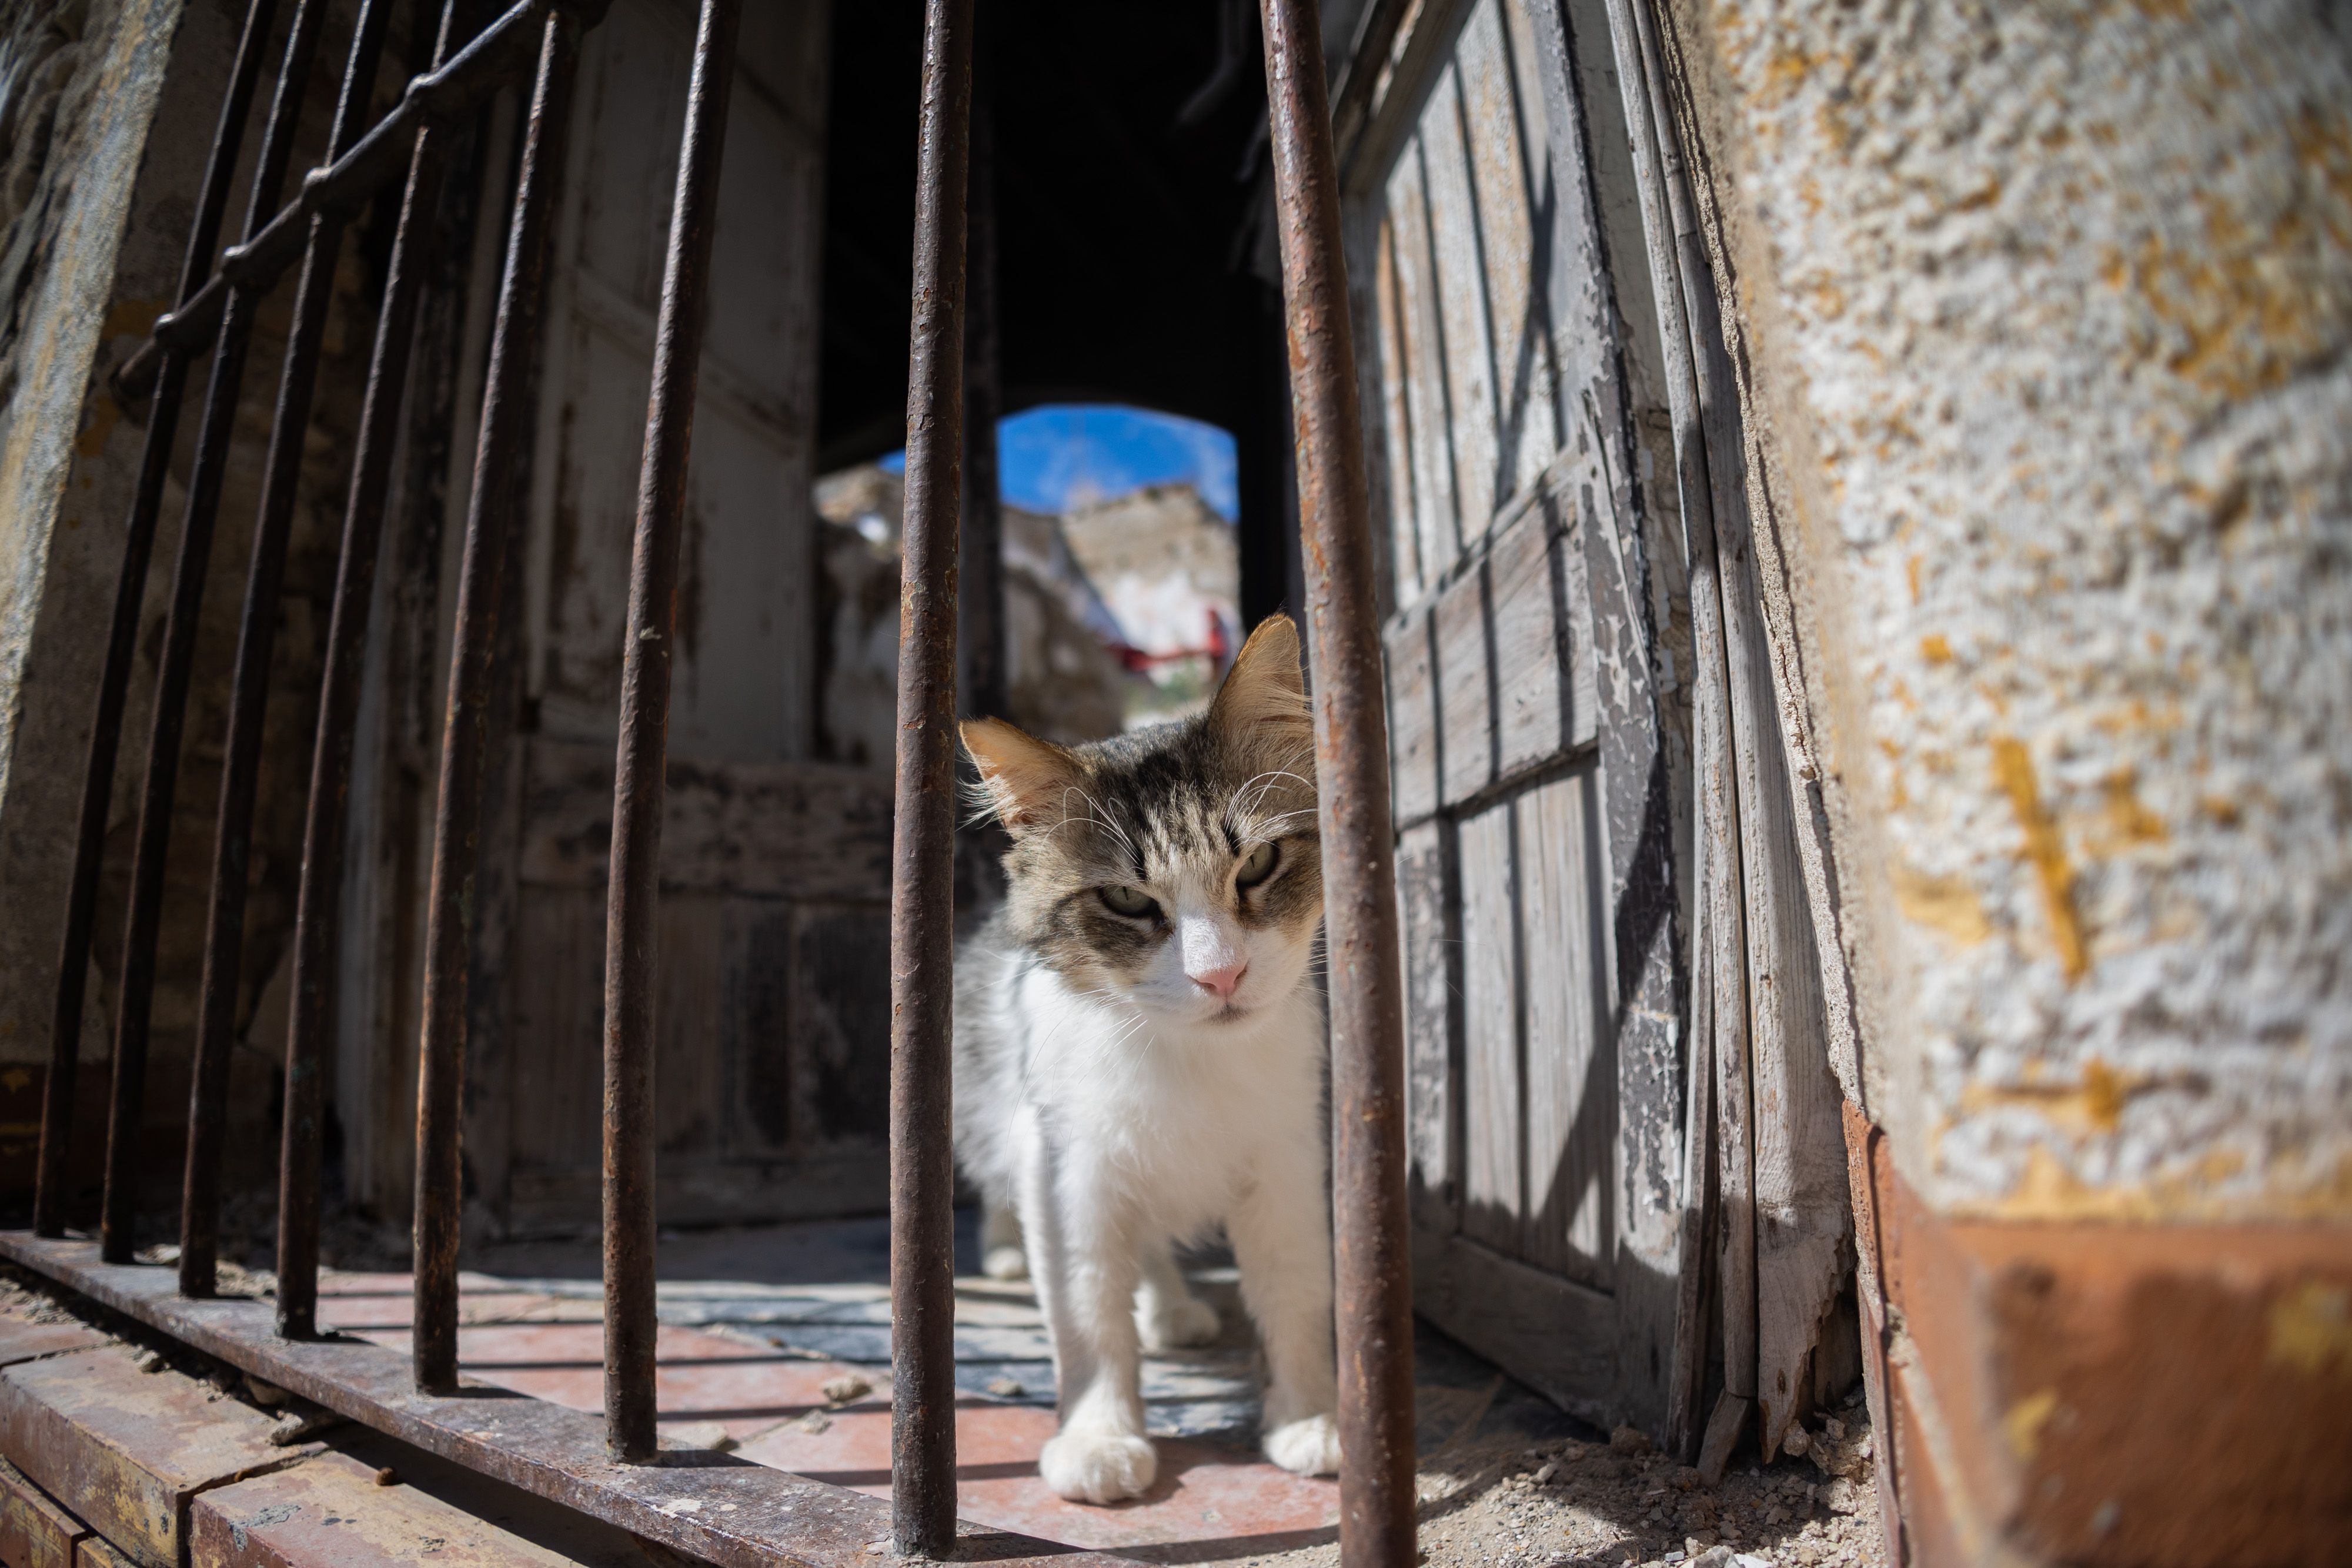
(1176, 868)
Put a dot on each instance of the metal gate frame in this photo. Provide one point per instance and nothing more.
(727, 1510)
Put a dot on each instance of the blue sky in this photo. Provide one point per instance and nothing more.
(1058, 455)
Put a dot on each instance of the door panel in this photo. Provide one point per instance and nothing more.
(1510, 885)
(771, 1055)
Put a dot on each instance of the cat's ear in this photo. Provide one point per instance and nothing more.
(1023, 779)
(1265, 687)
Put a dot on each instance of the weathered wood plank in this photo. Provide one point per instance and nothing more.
(1571, 1091)
(1437, 512)
(789, 830)
(1396, 414)
(1469, 369)
(1425, 895)
(1495, 122)
(1461, 627)
(1552, 1333)
(840, 1021)
(1414, 747)
(1494, 1187)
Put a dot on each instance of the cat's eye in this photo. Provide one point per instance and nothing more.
(1131, 902)
(1257, 866)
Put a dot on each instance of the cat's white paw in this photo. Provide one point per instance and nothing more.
(1005, 1263)
(1098, 1467)
(1308, 1446)
(1171, 1321)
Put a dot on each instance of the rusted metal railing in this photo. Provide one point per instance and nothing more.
(543, 1451)
(249, 685)
(318, 907)
(126, 1097)
(1372, 1253)
(131, 587)
(923, 869)
(632, 895)
(457, 823)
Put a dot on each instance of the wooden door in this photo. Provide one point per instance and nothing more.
(1533, 868)
(771, 1066)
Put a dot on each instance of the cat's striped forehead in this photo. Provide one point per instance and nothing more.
(1162, 799)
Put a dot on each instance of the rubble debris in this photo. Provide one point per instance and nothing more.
(710, 1434)
(847, 1388)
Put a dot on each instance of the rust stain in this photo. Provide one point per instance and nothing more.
(2013, 770)
(2310, 1330)
(2127, 821)
(2091, 1104)
(1945, 904)
(1935, 649)
(2023, 1422)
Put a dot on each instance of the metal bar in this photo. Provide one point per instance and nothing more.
(922, 870)
(127, 1093)
(634, 893)
(443, 96)
(1373, 1260)
(319, 905)
(256, 639)
(49, 1196)
(719, 1509)
(448, 940)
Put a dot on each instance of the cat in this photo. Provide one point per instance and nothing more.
(1139, 1056)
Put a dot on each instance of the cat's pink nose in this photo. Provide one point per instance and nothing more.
(1221, 982)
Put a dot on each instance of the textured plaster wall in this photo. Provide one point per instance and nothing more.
(2053, 305)
(87, 267)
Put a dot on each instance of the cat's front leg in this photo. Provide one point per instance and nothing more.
(1282, 1243)
(1083, 1264)
(1167, 1314)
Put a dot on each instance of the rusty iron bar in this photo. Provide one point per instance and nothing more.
(443, 96)
(634, 893)
(256, 639)
(922, 859)
(49, 1196)
(449, 920)
(317, 908)
(126, 1094)
(1372, 1260)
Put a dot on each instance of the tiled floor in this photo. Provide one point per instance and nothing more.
(755, 1322)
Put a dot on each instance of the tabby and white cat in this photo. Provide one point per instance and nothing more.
(1139, 1056)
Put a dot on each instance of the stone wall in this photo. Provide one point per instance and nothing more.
(2046, 310)
(100, 213)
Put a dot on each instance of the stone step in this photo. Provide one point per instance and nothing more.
(126, 1450)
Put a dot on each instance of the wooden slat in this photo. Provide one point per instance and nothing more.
(697, 1033)
(1466, 688)
(1436, 513)
(840, 1020)
(1534, 717)
(1459, 244)
(1571, 1096)
(763, 1086)
(1396, 419)
(1412, 718)
(1425, 894)
(794, 829)
(1497, 120)
(1552, 1333)
(1493, 1190)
